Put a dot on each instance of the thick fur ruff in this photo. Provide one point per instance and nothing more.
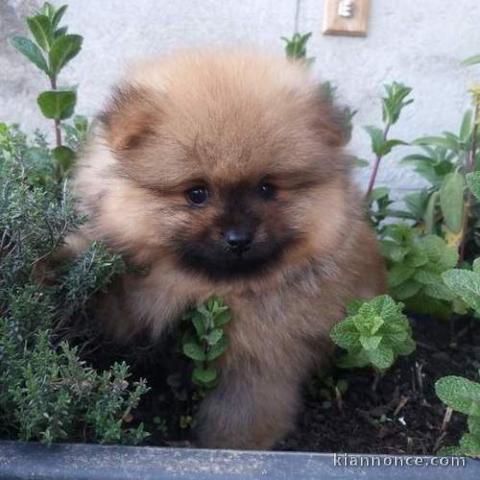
(230, 121)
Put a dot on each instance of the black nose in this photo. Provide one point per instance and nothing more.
(238, 239)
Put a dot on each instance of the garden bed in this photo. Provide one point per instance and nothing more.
(402, 416)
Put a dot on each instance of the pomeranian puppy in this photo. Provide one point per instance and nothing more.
(223, 173)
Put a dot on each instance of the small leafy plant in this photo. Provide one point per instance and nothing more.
(374, 334)
(51, 50)
(47, 392)
(416, 264)
(466, 285)
(395, 100)
(296, 47)
(462, 395)
(441, 162)
(332, 391)
(446, 207)
(206, 341)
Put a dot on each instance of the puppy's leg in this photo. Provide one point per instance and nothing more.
(252, 408)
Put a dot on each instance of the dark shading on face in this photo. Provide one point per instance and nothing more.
(245, 236)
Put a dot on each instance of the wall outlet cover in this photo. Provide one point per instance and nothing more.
(346, 17)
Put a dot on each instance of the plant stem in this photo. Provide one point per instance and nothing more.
(378, 159)
(473, 148)
(376, 380)
(58, 131)
(470, 168)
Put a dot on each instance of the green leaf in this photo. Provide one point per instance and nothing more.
(60, 32)
(204, 376)
(296, 47)
(57, 104)
(441, 256)
(354, 360)
(58, 15)
(395, 101)
(379, 193)
(382, 357)
(452, 201)
(31, 51)
(390, 144)
(64, 48)
(416, 203)
(473, 182)
(427, 278)
(466, 285)
(404, 347)
(65, 158)
(439, 291)
(376, 137)
(222, 318)
(41, 30)
(466, 127)
(393, 251)
(450, 452)
(470, 445)
(474, 425)
(374, 334)
(399, 273)
(218, 349)
(471, 60)
(476, 265)
(214, 336)
(459, 393)
(48, 9)
(361, 163)
(370, 343)
(199, 324)
(353, 306)
(436, 141)
(417, 158)
(194, 351)
(345, 334)
(405, 290)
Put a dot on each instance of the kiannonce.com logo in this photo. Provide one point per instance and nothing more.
(366, 461)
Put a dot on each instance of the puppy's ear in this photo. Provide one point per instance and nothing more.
(332, 122)
(129, 118)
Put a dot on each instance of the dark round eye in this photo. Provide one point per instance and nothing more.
(198, 195)
(267, 191)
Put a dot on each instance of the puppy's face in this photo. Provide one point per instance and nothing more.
(224, 167)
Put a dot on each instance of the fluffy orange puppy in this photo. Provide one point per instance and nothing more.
(223, 173)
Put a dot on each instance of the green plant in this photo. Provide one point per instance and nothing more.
(466, 285)
(332, 390)
(447, 208)
(393, 103)
(51, 50)
(55, 396)
(76, 133)
(462, 395)
(296, 47)
(374, 334)
(442, 162)
(47, 392)
(416, 264)
(205, 340)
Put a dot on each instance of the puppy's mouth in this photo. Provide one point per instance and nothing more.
(219, 263)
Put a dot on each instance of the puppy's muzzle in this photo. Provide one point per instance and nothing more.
(238, 239)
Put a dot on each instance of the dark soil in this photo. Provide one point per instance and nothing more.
(402, 415)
